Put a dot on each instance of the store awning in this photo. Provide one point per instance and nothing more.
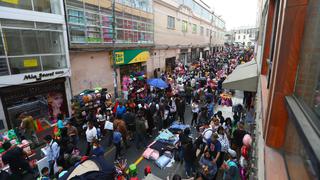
(244, 78)
(207, 49)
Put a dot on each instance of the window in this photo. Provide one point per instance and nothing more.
(53, 62)
(31, 47)
(307, 87)
(194, 29)
(201, 30)
(207, 32)
(171, 22)
(244, 36)
(47, 6)
(22, 42)
(1, 47)
(3, 67)
(184, 26)
(239, 37)
(20, 65)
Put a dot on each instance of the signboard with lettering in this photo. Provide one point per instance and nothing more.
(131, 56)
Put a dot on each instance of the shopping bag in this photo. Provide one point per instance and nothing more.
(108, 125)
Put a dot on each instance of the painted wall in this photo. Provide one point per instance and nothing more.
(158, 59)
(172, 37)
(90, 70)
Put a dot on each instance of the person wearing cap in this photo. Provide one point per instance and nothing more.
(231, 168)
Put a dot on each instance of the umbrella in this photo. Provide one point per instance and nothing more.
(158, 83)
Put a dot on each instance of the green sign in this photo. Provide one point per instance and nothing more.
(131, 56)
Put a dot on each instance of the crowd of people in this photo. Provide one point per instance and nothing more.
(214, 150)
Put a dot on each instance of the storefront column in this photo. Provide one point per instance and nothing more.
(68, 90)
(2, 118)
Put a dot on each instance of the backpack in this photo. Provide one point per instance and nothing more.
(94, 175)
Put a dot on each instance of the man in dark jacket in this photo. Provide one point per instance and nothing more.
(140, 130)
(189, 158)
(181, 107)
(16, 158)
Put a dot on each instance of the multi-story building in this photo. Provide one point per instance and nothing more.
(91, 36)
(288, 95)
(34, 62)
(244, 35)
(184, 30)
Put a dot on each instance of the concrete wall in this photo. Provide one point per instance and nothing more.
(89, 70)
(172, 37)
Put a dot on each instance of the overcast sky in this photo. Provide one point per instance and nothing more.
(236, 13)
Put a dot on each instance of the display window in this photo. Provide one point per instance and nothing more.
(43, 101)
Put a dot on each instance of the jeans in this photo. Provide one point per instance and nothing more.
(110, 133)
(140, 139)
(189, 166)
(118, 150)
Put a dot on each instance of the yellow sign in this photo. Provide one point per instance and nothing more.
(119, 57)
(141, 57)
(30, 63)
(16, 2)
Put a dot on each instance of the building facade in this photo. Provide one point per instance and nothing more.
(34, 63)
(184, 30)
(90, 37)
(245, 36)
(288, 94)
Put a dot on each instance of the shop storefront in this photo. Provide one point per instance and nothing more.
(131, 61)
(43, 100)
(170, 64)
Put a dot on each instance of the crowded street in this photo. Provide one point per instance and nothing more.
(159, 90)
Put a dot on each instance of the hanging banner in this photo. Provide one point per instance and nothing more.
(131, 56)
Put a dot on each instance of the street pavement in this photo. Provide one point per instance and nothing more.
(134, 155)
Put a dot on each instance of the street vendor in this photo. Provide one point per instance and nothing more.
(16, 158)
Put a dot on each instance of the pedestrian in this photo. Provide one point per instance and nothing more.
(140, 130)
(120, 110)
(195, 112)
(215, 151)
(72, 133)
(220, 117)
(91, 135)
(203, 116)
(28, 129)
(101, 119)
(231, 168)
(53, 152)
(121, 125)
(223, 139)
(97, 149)
(109, 119)
(16, 158)
(238, 135)
(208, 166)
(181, 107)
(129, 119)
(117, 138)
(250, 117)
(60, 122)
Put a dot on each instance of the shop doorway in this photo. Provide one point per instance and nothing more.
(170, 64)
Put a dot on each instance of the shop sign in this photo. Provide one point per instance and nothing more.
(131, 56)
(40, 76)
(30, 63)
(16, 2)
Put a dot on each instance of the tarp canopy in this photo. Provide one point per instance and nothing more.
(244, 78)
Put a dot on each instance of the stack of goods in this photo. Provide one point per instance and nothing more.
(137, 86)
(86, 101)
(161, 150)
(226, 99)
(177, 127)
